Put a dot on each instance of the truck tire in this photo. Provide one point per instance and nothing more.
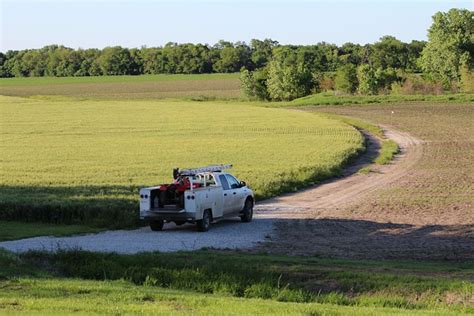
(247, 212)
(204, 223)
(156, 224)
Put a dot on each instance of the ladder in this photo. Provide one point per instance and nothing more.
(212, 168)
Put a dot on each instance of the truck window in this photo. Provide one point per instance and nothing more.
(210, 180)
(233, 182)
(225, 184)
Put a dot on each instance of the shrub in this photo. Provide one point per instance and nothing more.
(467, 79)
(254, 84)
(416, 84)
(324, 81)
(385, 78)
(346, 79)
(289, 77)
(367, 80)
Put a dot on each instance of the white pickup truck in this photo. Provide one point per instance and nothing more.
(200, 196)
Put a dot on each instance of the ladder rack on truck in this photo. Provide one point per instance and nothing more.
(192, 172)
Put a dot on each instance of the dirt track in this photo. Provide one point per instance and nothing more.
(323, 220)
(326, 199)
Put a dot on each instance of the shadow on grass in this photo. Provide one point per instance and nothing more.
(100, 206)
(363, 239)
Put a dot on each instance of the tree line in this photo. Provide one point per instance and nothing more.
(272, 71)
(443, 63)
(223, 57)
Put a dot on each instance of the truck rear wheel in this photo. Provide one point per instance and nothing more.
(247, 212)
(156, 224)
(203, 224)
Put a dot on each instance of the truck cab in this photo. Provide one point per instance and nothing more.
(201, 196)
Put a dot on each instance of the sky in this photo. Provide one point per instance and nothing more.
(101, 23)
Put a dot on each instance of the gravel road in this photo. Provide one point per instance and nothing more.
(227, 234)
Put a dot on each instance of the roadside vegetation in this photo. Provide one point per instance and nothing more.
(47, 282)
(388, 149)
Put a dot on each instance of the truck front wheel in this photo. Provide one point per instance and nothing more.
(205, 222)
(156, 224)
(247, 212)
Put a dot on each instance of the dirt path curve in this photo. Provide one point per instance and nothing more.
(326, 199)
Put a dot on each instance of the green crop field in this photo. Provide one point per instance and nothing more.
(72, 161)
(223, 86)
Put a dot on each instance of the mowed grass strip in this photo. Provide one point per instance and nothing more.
(71, 161)
(223, 86)
(210, 282)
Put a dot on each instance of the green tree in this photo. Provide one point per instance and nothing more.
(414, 50)
(115, 61)
(261, 51)
(367, 80)
(4, 69)
(232, 57)
(346, 79)
(254, 84)
(389, 52)
(451, 42)
(467, 78)
(288, 75)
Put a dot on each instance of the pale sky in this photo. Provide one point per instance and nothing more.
(86, 24)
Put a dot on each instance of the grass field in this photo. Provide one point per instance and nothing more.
(222, 86)
(72, 161)
(209, 283)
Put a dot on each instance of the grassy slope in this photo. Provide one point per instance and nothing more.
(61, 297)
(230, 281)
(17, 230)
(329, 98)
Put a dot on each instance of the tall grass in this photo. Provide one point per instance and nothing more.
(388, 149)
(342, 283)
